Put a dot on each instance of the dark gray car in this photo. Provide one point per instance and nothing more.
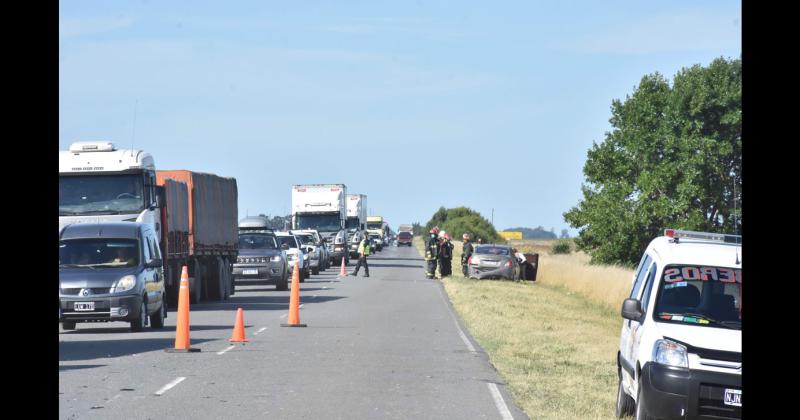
(110, 272)
(493, 262)
(260, 260)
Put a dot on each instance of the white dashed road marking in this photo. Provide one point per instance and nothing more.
(168, 386)
(223, 351)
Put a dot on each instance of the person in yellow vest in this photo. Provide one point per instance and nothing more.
(363, 253)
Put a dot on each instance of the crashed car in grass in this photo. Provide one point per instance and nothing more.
(493, 262)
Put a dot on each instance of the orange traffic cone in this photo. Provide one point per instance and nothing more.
(343, 272)
(182, 328)
(238, 329)
(294, 301)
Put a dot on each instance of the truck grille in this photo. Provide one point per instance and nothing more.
(251, 260)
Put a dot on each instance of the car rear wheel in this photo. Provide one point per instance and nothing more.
(138, 324)
(625, 404)
(68, 325)
(315, 271)
(157, 319)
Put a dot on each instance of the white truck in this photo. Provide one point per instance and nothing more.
(322, 207)
(193, 214)
(356, 212)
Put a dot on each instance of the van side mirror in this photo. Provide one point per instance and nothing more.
(308, 250)
(632, 309)
(154, 263)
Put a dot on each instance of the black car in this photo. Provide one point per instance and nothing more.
(110, 272)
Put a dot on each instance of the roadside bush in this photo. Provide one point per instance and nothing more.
(458, 220)
(561, 247)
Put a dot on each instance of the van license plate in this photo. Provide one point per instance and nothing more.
(733, 397)
(84, 306)
(250, 272)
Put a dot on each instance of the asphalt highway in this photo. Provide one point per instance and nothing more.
(385, 347)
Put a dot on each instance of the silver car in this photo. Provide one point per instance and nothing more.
(493, 262)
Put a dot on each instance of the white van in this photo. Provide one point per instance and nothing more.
(680, 350)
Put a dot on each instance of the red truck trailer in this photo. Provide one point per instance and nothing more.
(200, 230)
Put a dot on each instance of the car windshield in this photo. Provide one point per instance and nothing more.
(100, 194)
(257, 241)
(318, 222)
(404, 235)
(492, 250)
(306, 239)
(374, 225)
(98, 253)
(700, 295)
(289, 240)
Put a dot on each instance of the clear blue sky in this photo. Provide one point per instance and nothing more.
(416, 104)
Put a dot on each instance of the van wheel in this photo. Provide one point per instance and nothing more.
(138, 324)
(640, 410)
(157, 319)
(68, 325)
(625, 403)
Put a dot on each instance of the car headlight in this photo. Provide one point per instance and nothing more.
(124, 284)
(305, 256)
(275, 258)
(670, 353)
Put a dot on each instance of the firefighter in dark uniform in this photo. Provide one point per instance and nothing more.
(432, 253)
(446, 256)
(465, 254)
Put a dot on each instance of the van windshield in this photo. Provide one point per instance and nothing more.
(700, 295)
(289, 240)
(257, 241)
(98, 253)
(306, 239)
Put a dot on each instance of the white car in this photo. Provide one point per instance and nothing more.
(294, 253)
(680, 351)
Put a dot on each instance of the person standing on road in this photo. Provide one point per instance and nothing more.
(432, 253)
(466, 252)
(446, 256)
(363, 253)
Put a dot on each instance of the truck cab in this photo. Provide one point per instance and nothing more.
(680, 352)
(100, 183)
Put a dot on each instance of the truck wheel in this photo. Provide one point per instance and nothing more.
(226, 274)
(138, 324)
(173, 285)
(68, 325)
(157, 319)
(625, 403)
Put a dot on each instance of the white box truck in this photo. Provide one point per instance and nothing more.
(322, 207)
(356, 212)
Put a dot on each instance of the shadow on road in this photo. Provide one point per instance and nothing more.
(395, 265)
(74, 367)
(268, 303)
(96, 349)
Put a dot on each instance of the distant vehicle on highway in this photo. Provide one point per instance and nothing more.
(315, 254)
(321, 246)
(493, 262)
(322, 207)
(260, 257)
(111, 271)
(377, 241)
(295, 253)
(404, 238)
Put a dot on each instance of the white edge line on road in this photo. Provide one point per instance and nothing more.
(223, 351)
(262, 329)
(500, 402)
(170, 385)
(458, 327)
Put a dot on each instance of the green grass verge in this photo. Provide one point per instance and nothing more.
(555, 348)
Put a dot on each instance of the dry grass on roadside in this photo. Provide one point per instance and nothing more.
(554, 341)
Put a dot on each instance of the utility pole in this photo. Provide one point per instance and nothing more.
(492, 217)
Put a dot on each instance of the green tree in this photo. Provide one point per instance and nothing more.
(672, 159)
(458, 220)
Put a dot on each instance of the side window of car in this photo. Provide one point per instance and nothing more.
(146, 247)
(640, 277)
(648, 286)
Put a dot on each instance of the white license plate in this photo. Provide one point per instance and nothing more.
(733, 397)
(84, 306)
(250, 272)
(492, 263)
